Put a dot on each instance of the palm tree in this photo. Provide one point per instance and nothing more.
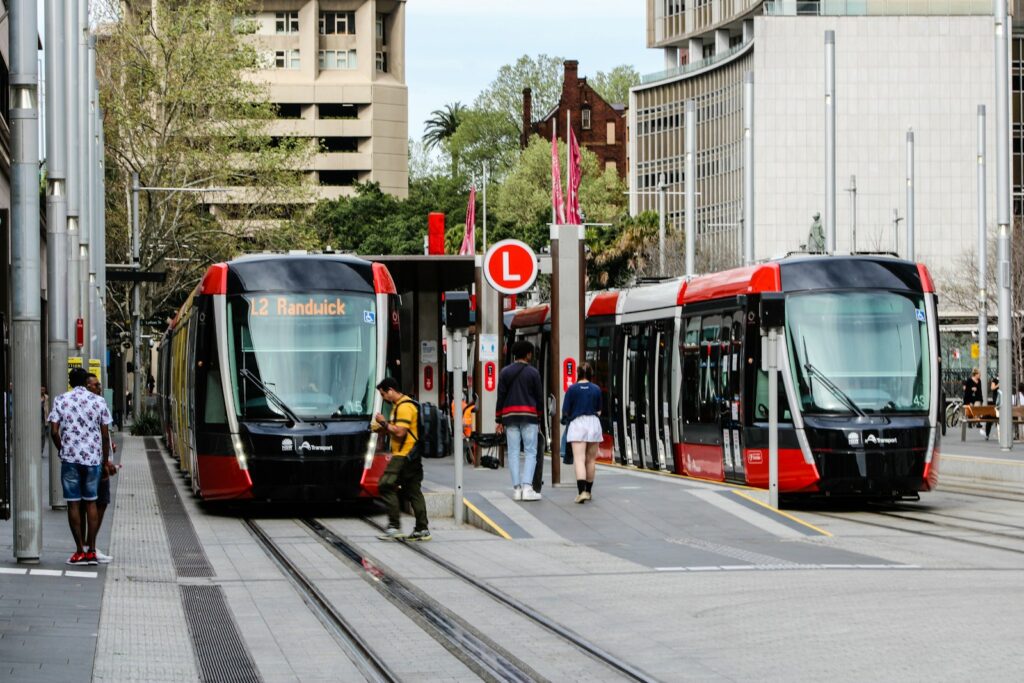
(442, 124)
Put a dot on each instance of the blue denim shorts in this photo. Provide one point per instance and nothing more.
(80, 482)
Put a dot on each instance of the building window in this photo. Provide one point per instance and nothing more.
(611, 166)
(286, 22)
(332, 23)
(338, 111)
(585, 115)
(289, 110)
(338, 59)
(284, 59)
(338, 178)
(380, 28)
(709, 51)
(382, 62)
(610, 133)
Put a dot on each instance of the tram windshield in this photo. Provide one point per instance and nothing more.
(859, 352)
(316, 352)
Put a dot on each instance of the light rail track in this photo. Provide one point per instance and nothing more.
(359, 652)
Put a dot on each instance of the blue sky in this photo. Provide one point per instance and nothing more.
(455, 47)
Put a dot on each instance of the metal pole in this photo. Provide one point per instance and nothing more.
(485, 208)
(748, 168)
(773, 416)
(853, 202)
(457, 366)
(982, 259)
(94, 246)
(136, 309)
(896, 231)
(85, 175)
(56, 227)
(25, 279)
(910, 195)
(1003, 180)
(830, 142)
(75, 180)
(661, 223)
(101, 241)
(691, 185)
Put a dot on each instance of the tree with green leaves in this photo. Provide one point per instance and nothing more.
(614, 85)
(442, 124)
(485, 136)
(181, 109)
(542, 74)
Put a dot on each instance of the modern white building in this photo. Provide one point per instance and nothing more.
(900, 65)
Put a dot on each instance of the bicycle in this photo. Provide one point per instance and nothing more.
(954, 412)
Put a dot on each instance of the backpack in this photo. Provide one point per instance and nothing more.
(433, 438)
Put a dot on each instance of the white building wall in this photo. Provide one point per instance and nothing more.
(892, 73)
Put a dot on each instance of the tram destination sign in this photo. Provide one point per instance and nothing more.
(510, 266)
(299, 306)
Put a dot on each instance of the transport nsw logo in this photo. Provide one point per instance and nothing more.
(879, 441)
(305, 447)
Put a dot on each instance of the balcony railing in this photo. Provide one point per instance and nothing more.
(694, 66)
(876, 8)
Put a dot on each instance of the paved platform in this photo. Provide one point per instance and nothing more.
(685, 579)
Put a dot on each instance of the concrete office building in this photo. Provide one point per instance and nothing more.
(900, 64)
(336, 70)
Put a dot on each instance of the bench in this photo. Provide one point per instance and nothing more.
(980, 415)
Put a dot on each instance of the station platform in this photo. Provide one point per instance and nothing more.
(669, 574)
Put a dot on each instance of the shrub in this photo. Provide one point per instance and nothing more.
(147, 424)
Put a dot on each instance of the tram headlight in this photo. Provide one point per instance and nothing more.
(236, 444)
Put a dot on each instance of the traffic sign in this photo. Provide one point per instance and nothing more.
(510, 266)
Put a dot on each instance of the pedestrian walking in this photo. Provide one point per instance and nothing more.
(404, 474)
(78, 427)
(972, 388)
(108, 470)
(520, 405)
(581, 410)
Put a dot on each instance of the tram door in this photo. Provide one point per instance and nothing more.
(660, 436)
(636, 390)
(731, 350)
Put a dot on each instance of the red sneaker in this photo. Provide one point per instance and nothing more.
(90, 558)
(77, 558)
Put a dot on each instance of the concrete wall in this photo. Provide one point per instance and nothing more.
(892, 73)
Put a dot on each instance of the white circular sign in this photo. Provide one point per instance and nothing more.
(510, 266)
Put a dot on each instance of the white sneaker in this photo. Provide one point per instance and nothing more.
(530, 494)
(102, 557)
(517, 493)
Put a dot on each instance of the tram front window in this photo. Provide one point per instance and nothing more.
(315, 352)
(859, 352)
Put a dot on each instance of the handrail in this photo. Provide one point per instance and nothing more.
(694, 66)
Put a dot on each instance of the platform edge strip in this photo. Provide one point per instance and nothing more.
(792, 518)
(487, 521)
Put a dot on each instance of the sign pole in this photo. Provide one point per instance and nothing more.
(458, 356)
(773, 417)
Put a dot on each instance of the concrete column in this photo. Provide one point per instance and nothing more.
(567, 311)
(396, 43)
(696, 50)
(490, 332)
(748, 30)
(721, 41)
(671, 57)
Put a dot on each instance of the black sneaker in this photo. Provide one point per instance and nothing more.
(423, 535)
(392, 534)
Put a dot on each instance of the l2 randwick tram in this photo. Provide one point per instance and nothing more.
(268, 377)
(859, 396)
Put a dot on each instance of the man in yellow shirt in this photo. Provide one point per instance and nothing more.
(402, 471)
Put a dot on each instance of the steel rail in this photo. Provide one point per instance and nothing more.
(362, 655)
(566, 634)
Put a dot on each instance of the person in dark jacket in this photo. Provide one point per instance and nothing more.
(520, 405)
(972, 388)
(581, 410)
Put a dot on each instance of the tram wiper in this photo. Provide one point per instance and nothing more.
(246, 373)
(834, 388)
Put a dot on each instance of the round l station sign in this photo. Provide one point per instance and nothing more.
(510, 266)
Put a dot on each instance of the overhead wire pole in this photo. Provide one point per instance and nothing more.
(25, 306)
(830, 142)
(662, 202)
(94, 246)
(101, 260)
(85, 169)
(136, 307)
(485, 208)
(691, 185)
(748, 168)
(982, 259)
(910, 195)
(1003, 180)
(56, 226)
(74, 149)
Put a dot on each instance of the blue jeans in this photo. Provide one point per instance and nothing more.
(528, 434)
(80, 482)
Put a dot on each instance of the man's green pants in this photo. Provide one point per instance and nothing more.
(401, 482)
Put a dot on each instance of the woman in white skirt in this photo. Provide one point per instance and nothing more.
(580, 410)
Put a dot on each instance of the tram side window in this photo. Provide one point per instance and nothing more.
(598, 354)
(691, 370)
(210, 394)
(709, 387)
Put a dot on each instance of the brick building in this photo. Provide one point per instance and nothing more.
(599, 126)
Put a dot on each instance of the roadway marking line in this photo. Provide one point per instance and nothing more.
(971, 458)
(670, 569)
(781, 567)
(13, 570)
(752, 517)
(788, 516)
(81, 575)
(633, 469)
(487, 520)
(46, 572)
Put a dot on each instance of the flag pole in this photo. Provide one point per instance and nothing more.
(568, 162)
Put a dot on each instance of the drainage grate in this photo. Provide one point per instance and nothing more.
(222, 655)
(189, 557)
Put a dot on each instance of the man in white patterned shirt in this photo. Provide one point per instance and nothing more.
(78, 427)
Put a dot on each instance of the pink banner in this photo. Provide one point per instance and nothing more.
(574, 215)
(468, 247)
(557, 201)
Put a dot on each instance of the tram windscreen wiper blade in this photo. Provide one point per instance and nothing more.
(834, 388)
(246, 373)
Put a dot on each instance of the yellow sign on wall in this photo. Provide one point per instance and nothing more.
(974, 351)
(73, 362)
(94, 368)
